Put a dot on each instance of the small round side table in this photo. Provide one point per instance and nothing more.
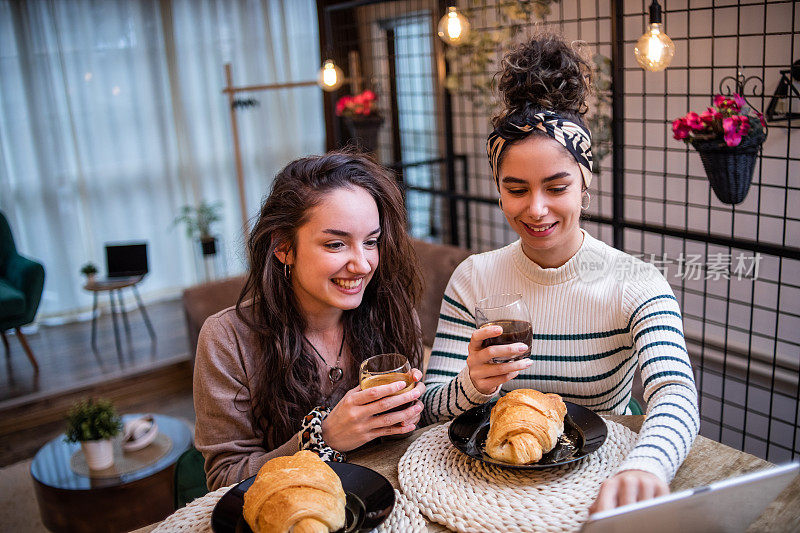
(115, 285)
(76, 503)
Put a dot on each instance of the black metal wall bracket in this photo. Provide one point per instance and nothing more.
(739, 84)
(786, 91)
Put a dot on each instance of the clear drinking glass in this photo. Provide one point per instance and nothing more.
(509, 312)
(387, 368)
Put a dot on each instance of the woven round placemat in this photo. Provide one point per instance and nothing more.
(196, 516)
(467, 495)
(405, 517)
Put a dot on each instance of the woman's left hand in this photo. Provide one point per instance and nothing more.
(628, 486)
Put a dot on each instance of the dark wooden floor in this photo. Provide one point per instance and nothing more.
(66, 359)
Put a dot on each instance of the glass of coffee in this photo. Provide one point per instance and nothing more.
(509, 312)
(387, 368)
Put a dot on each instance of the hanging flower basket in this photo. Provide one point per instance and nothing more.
(361, 118)
(729, 168)
(364, 131)
(728, 138)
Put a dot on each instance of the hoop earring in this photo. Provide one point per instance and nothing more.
(287, 271)
(586, 199)
(500, 202)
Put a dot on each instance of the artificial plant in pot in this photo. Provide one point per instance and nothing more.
(198, 222)
(94, 423)
(90, 271)
(362, 118)
(728, 138)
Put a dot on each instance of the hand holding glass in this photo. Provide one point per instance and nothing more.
(509, 312)
(384, 369)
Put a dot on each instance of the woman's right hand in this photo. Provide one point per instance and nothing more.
(360, 416)
(485, 375)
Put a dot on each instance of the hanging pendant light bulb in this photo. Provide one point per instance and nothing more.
(453, 27)
(330, 76)
(654, 49)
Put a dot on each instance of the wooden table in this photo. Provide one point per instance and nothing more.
(72, 502)
(707, 461)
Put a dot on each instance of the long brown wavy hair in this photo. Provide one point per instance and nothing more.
(384, 322)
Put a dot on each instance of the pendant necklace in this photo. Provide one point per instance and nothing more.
(335, 372)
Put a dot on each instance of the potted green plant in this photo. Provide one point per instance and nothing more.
(728, 138)
(198, 222)
(90, 271)
(94, 423)
(362, 118)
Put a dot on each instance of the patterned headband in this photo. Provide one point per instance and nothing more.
(573, 137)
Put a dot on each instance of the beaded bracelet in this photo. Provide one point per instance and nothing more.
(311, 436)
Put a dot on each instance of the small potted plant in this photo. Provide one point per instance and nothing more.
(90, 271)
(362, 118)
(94, 423)
(198, 222)
(728, 137)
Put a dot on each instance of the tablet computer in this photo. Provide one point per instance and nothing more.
(728, 505)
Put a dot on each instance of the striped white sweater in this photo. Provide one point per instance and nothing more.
(595, 319)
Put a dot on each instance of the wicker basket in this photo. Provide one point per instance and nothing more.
(364, 132)
(729, 169)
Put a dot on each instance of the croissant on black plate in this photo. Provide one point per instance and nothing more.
(298, 493)
(524, 425)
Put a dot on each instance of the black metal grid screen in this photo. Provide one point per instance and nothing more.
(735, 270)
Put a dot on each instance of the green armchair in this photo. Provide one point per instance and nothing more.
(21, 284)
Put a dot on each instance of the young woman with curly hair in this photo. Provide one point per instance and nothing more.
(598, 314)
(333, 281)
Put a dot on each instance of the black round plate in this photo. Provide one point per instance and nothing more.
(584, 432)
(370, 500)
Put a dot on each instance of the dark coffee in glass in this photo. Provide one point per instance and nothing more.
(509, 312)
(513, 331)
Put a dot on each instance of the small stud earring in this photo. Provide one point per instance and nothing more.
(585, 200)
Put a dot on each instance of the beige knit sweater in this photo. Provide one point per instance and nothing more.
(225, 431)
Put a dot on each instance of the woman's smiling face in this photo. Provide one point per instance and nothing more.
(336, 251)
(541, 189)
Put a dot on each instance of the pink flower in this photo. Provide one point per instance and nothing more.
(709, 115)
(723, 102)
(735, 128)
(694, 122)
(730, 120)
(680, 128)
(358, 105)
(342, 104)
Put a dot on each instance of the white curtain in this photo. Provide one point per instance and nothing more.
(112, 117)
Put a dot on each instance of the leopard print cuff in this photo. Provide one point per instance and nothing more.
(311, 436)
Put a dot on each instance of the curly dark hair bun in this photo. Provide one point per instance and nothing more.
(544, 73)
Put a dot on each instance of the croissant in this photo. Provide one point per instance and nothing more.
(298, 494)
(524, 425)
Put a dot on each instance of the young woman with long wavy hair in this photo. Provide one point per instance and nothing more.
(333, 281)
